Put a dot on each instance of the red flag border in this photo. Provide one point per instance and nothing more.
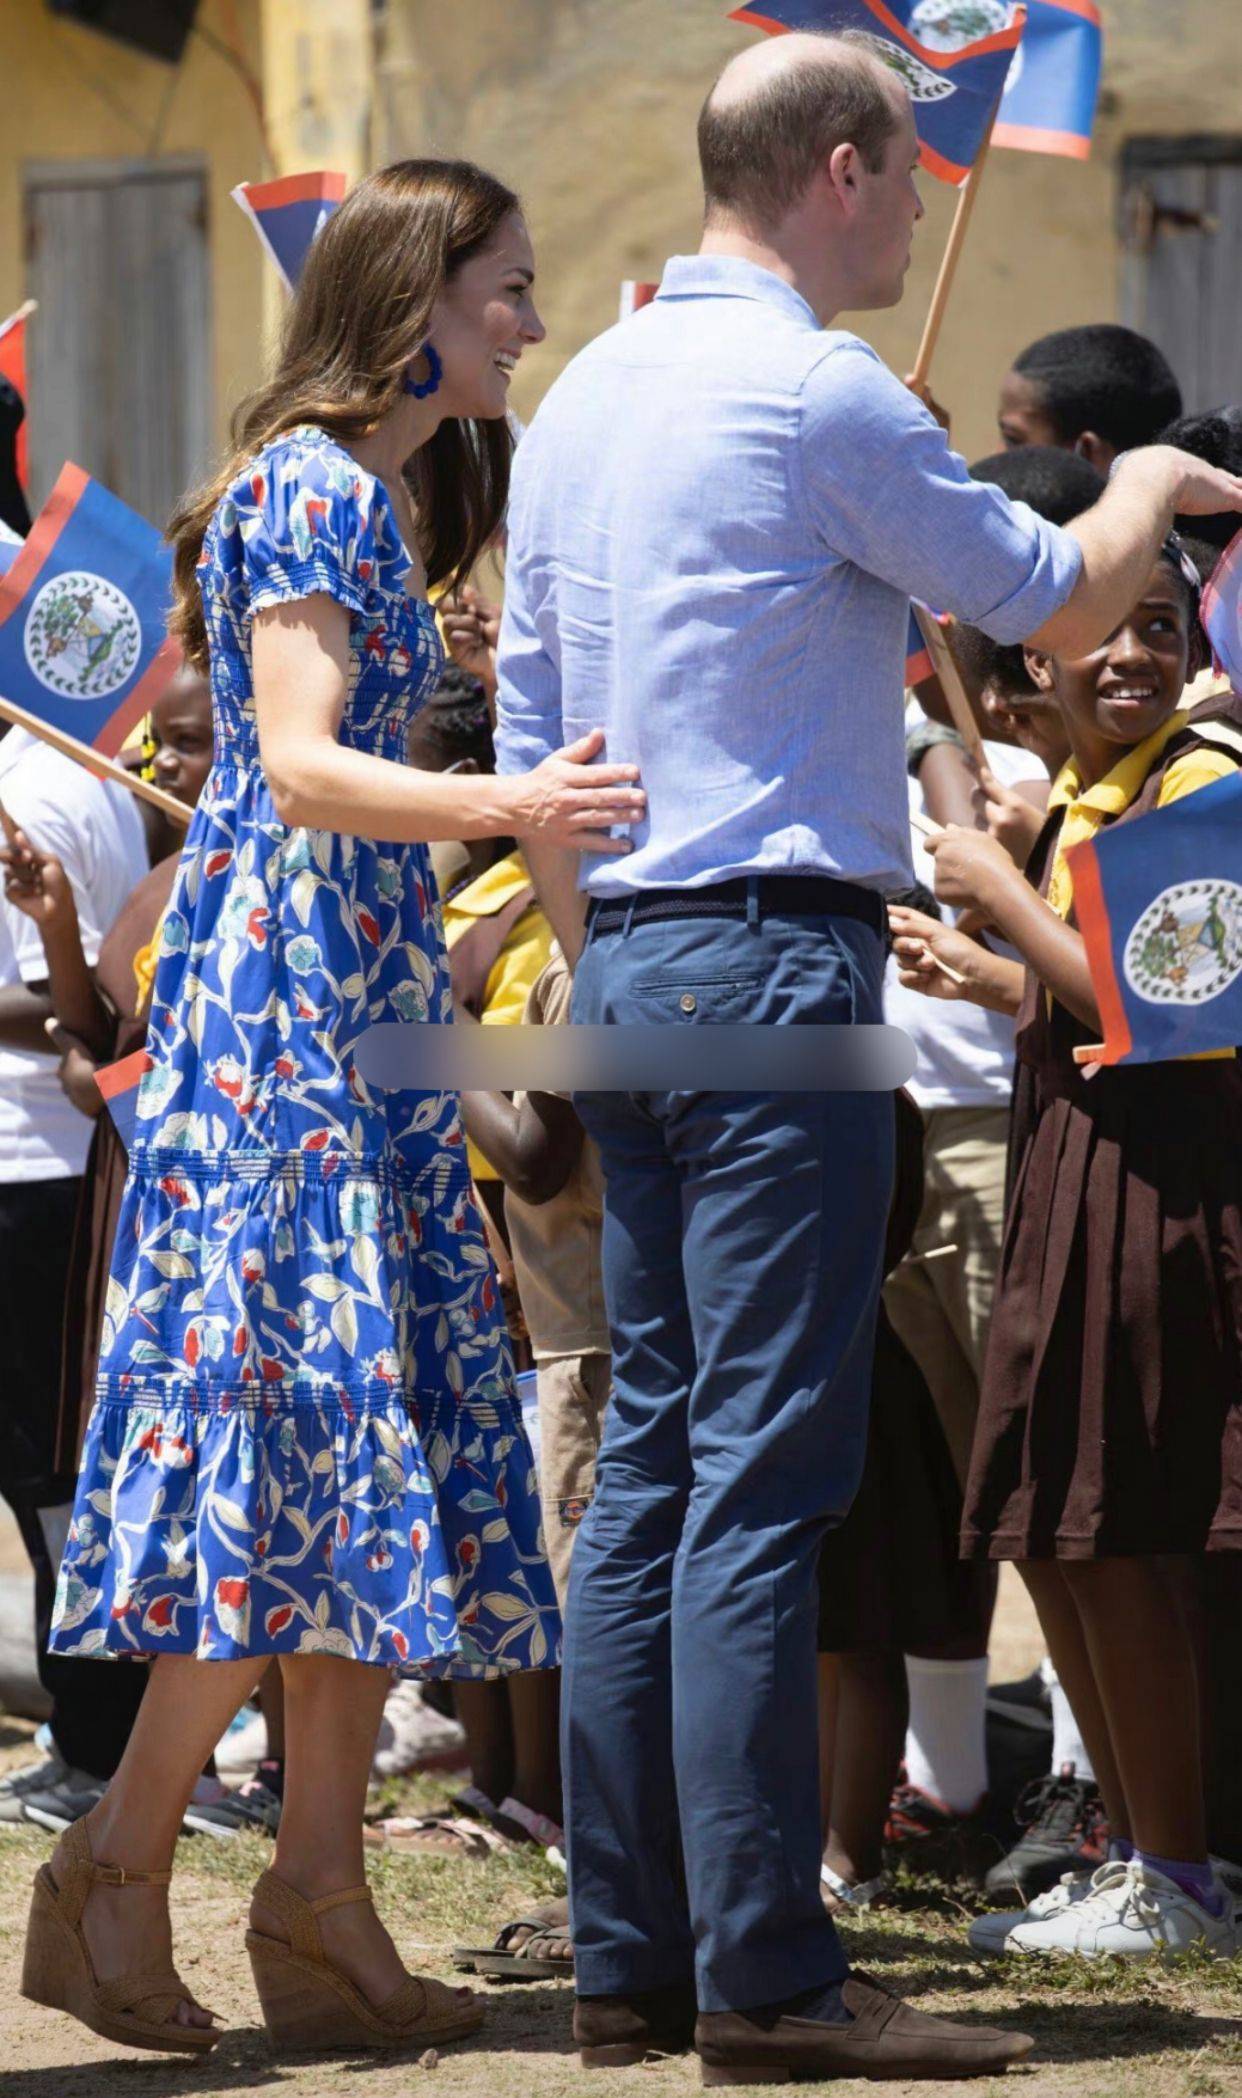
(1096, 928)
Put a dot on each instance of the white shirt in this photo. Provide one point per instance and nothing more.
(965, 1054)
(96, 833)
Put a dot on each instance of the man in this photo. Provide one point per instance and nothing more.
(97, 834)
(718, 517)
(1097, 390)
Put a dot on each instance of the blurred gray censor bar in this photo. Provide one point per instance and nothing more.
(423, 1056)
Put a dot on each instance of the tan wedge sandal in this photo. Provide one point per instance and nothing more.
(134, 2010)
(310, 2006)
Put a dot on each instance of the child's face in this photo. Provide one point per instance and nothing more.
(1030, 719)
(181, 731)
(1130, 686)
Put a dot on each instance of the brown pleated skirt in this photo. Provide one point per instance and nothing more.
(1110, 1421)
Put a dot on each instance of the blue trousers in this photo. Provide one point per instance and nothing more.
(743, 1238)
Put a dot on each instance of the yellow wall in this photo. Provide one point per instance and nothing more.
(70, 94)
(588, 107)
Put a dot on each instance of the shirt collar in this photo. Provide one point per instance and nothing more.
(1116, 790)
(732, 277)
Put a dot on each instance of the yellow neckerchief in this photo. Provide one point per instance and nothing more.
(144, 966)
(1087, 808)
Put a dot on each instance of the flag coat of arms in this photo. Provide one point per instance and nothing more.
(953, 56)
(1159, 905)
(84, 615)
(1054, 82)
(288, 213)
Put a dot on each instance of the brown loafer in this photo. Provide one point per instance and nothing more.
(886, 2039)
(615, 2032)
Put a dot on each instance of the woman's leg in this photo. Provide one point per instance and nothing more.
(1134, 1619)
(332, 1716)
(184, 1710)
(1062, 1626)
(272, 1706)
(870, 1733)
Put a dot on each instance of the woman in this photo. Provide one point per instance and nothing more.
(305, 1440)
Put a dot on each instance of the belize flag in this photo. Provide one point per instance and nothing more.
(1220, 612)
(919, 666)
(84, 614)
(1159, 905)
(287, 214)
(634, 296)
(1054, 82)
(953, 55)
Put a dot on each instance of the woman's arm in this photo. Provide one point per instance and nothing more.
(301, 662)
(974, 869)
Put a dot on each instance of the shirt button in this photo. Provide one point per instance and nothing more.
(689, 1002)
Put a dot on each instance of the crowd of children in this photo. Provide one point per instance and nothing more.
(1057, 1368)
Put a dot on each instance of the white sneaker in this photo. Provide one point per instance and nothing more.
(414, 1737)
(32, 1777)
(240, 1751)
(1130, 1912)
(991, 1934)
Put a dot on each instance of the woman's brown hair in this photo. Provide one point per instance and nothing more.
(359, 316)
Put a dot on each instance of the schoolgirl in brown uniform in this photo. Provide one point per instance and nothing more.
(1108, 1452)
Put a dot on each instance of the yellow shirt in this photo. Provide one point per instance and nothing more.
(1086, 808)
(522, 958)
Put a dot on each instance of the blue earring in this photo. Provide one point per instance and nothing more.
(435, 372)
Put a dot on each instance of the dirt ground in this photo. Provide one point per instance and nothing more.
(1101, 2031)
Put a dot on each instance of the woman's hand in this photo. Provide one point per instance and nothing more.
(471, 628)
(970, 867)
(569, 801)
(35, 883)
(1011, 819)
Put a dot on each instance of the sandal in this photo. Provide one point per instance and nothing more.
(504, 1961)
(133, 2010)
(434, 1835)
(309, 2005)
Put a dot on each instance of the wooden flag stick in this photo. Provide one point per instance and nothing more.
(23, 313)
(948, 263)
(96, 762)
(944, 663)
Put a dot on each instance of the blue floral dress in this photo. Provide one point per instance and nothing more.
(305, 1437)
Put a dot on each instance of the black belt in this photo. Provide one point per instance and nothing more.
(774, 895)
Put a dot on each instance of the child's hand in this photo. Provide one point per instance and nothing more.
(926, 950)
(922, 391)
(970, 866)
(471, 632)
(77, 1080)
(35, 882)
(1010, 817)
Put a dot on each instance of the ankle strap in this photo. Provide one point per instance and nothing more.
(121, 1876)
(339, 1899)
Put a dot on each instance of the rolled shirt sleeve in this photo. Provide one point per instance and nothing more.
(884, 490)
(528, 669)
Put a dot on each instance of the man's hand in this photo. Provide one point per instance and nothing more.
(1195, 488)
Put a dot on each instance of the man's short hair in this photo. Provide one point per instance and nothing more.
(1102, 378)
(760, 151)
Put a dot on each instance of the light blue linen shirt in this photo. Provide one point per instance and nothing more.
(719, 515)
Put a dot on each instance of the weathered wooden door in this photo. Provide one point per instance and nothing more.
(120, 349)
(1182, 268)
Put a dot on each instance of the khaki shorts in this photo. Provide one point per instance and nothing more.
(573, 1398)
(941, 1307)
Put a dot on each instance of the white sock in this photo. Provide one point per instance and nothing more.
(1068, 1745)
(945, 1752)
